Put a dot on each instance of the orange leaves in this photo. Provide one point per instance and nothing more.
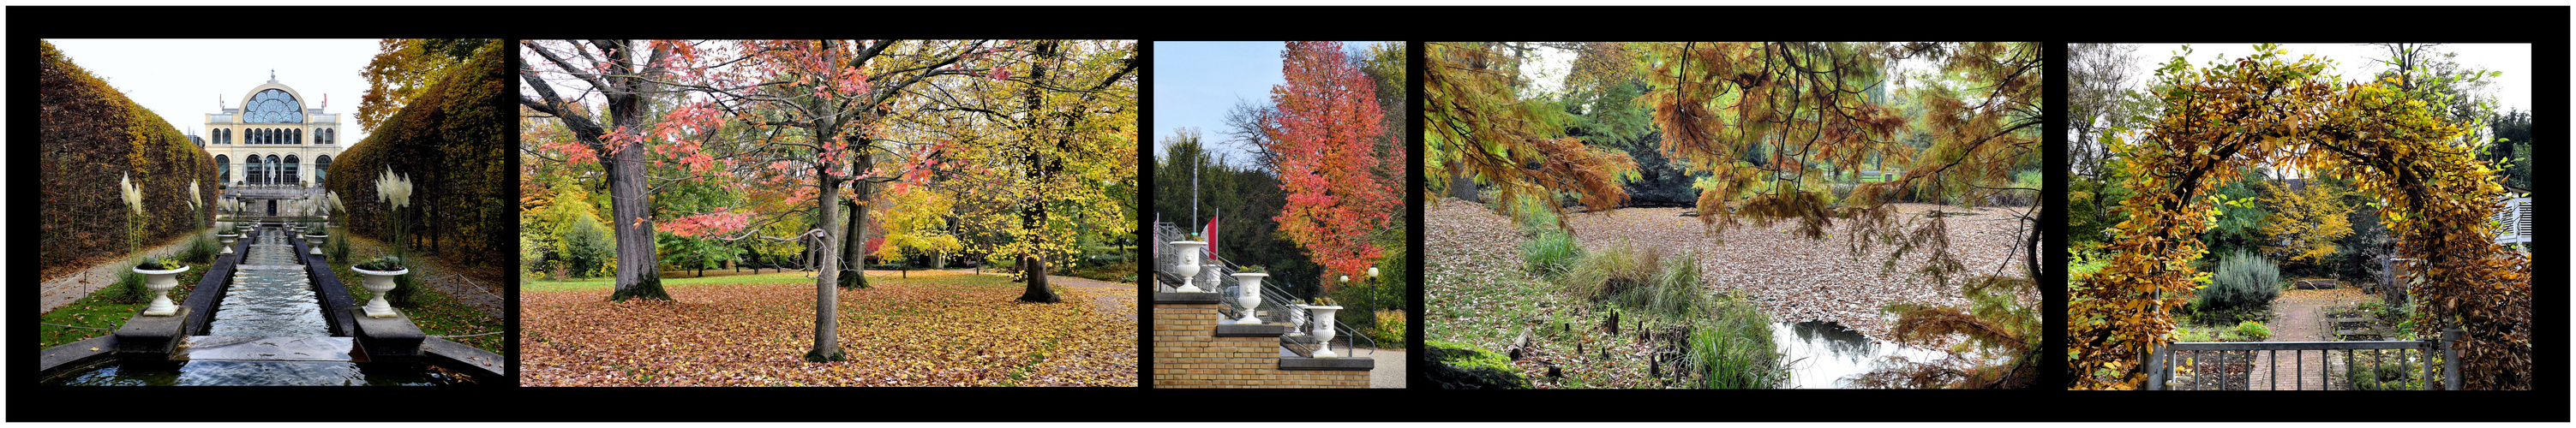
(936, 329)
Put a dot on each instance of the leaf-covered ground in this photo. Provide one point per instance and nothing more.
(1799, 279)
(935, 329)
(1479, 291)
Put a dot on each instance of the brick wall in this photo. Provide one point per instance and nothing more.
(1189, 353)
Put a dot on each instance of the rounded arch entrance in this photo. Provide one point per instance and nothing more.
(2436, 198)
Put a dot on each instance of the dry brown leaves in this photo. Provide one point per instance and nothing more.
(931, 330)
(1798, 279)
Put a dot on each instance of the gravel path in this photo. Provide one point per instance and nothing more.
(71, 288)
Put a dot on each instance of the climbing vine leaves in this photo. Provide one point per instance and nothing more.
(2265, 109)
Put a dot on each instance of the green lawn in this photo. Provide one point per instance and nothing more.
(435, 313)
(96, 310)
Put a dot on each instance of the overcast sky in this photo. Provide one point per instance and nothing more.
(181, 80)
(2353, 62)
(1196, 83)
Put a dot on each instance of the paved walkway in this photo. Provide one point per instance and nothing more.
(1390, 368)
(2299, 316)
(71, 288)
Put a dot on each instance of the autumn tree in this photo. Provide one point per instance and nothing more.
(1340, 188)
(2305, 222)
(405, 67)
(611, 71)
(1481, 130)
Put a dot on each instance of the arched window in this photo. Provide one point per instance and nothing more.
(272, 106)
(250, 170)
(289, 176)
(322, 165)
(295, 136)
(223, 171)
(275, 170)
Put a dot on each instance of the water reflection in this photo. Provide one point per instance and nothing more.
(1822, 353)
(261, 373)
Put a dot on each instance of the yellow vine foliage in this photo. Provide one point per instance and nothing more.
(2265, 109)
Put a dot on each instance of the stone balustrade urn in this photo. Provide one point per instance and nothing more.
(228, 239)
(1251, 296)
(380, 282)
(1324, 330)
(1187, 264)
(316, 240)
(160, 282)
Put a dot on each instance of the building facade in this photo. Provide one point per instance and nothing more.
(276, 145)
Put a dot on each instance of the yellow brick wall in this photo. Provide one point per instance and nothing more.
(1188, 354)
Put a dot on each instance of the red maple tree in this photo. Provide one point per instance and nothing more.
(1324, 138)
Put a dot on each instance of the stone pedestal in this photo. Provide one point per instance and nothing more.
(387, 339)
(152, 336)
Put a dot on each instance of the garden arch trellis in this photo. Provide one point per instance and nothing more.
(2262, 110)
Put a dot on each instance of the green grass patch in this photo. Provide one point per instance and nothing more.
(436, 313)
(100, 309)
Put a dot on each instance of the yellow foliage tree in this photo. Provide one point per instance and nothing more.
(2305, 225)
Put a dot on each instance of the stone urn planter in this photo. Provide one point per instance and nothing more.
(160, 282)
(1187, 264)
(1296, 320)
(380, 282)
(1251, 296)
(316, 240)
(1323, 332)
(228, 240)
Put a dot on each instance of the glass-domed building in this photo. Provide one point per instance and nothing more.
(276, 146)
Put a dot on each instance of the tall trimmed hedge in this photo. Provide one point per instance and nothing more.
(91, 135)
(453, 142)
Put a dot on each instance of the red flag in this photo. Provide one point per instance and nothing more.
(1209, 234)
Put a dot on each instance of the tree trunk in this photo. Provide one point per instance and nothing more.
(637, 273)
(1035, 216)
(853, 250)
(827, 297)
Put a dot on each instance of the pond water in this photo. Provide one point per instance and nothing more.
(1822, 353)
(271, 303)
(262, 373)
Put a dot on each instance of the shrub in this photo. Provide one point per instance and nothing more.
(2369, 374)
(2251, 330)
(339, 248)
(1390, 331)
(587, 247)
(454, 140)
(2244, 281)
(129, 288)
(201, 249)
(1551, 253)
(1731, 348)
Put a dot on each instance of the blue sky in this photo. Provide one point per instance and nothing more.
(1196, 83)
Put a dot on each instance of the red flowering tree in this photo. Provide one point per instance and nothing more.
(1340, 188)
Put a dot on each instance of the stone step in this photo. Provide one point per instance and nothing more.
(265, 348)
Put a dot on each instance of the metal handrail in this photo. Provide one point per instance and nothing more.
(2160, 359)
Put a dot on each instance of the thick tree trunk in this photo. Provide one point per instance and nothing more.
(638, 273)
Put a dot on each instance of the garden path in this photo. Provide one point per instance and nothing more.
(2299, 316)
(1111, 301)
(437, 274)
(71, 288)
